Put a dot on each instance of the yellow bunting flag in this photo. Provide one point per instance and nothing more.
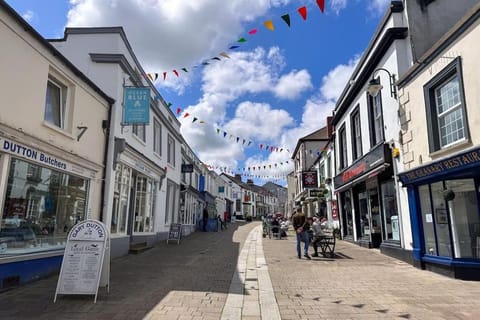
(269, 25)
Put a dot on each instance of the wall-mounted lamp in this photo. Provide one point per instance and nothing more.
(374, 85)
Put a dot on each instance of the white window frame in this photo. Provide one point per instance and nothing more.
(63, 92)
(157, 139)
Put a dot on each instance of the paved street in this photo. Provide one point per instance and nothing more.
(215, 276)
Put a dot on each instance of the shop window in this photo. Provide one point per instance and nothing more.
(171, 151)
(139, 131)
(356, 134)
(347, 213)
(445, 107)
(464, 215)
(375, 112)
(38, 215)
(343, 147)
(427, 220)
(144, 203)
(157, 137)
(171, 202)
(390, 213)
(55, 103)
(123, 176)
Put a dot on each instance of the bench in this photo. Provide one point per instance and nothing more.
(326, 244)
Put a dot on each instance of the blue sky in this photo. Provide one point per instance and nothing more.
(276, 87)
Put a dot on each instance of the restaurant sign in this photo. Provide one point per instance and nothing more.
(450, 165)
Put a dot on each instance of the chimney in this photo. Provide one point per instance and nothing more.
(329, 127)
(250, 182)
(238, 177)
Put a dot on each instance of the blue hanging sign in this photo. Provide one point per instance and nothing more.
(136, 105)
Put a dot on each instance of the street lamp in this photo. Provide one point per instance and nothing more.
(374, 85)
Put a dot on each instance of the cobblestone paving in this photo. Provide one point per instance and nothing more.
(186, 281)
(362, 283)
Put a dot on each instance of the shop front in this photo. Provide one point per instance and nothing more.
(43, 197)
(444, 200)
(137, 182)
(366, 194)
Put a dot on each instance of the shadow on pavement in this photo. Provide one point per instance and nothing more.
(198, 270)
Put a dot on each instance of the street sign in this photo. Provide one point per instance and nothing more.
(83, 268)
(175, 232)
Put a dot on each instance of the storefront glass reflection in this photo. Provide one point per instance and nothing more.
(41, 206)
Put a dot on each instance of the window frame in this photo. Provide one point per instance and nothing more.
(375, 137)
(63, 92)
(357, 151)
(171, 150)
(136, 133)
(453, 69)
(157, 141)
(343, 156)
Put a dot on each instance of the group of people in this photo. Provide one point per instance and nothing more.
(222, 222)
(308, 230)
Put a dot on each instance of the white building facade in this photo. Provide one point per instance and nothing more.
(143, 168)
(53, 142)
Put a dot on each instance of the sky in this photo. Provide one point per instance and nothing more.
(277, 86)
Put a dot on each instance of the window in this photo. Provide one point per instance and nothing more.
(55, 103)
(157, 137)
(171, 201)
(171, 151)
(123, 178)
(375, 111)
(445, 103)
(390, 214)
(329, 166)
(356, 135)
(38, 215)
(343, 147)
(139, 131)
(144, 204)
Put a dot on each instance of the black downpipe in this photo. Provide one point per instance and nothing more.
(105, 159)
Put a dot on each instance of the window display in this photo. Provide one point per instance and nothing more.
(41, 206)
(390, 214)
(120, 199)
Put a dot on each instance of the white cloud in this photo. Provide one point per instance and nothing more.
(28, 16)
(378, 7)
(291, 85)
(172, 33)
(338, 5)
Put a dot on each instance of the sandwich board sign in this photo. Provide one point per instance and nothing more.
(175, 232)
(83, 269)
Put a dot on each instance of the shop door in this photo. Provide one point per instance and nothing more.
(131, 211)
(375, 217)
(364, 217)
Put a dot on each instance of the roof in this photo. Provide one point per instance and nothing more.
(320, 135)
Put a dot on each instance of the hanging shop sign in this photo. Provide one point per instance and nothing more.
(136, 103)
(83, 269)
(309, 179)
(186, 168)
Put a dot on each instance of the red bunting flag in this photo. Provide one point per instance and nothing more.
(303, 12)
(178, 111)
(321, 5)
(252, 32)
(176, 72)
(164, 75)
(186, 114)
(261, 146)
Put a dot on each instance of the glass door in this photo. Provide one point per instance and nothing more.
(375, 217)
(365, 229)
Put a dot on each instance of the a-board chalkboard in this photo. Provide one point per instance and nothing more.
(175, 232)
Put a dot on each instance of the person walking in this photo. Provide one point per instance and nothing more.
(301, 228)
(205, 218)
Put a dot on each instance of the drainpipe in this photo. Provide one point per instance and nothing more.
(105, 125)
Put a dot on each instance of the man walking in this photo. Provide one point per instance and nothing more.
(301, 228)
(205, 217)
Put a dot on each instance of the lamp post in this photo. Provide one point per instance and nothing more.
(374, 85)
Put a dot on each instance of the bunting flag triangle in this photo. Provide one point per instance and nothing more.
(205, 63)
(249, 142)
(244, 141)
(303, 12)
(252, 32)
(216, 58)
(269, 25)
(178, 111)
(242, 40)
(176, 72)
(261, 146)
(321, 5)
(238, 139)
(224, 54)
(156, 76)
(201, 121)
(218, 131)
(286, 18)
(194, 119)
(186, 114)
(224, 134)
(185, 69)
(234, 47)
(150, 76)
(164, 75)
(169, 105)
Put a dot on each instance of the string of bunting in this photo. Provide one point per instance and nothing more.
(302, 11)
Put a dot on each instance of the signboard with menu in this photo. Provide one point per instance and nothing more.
(83, 269)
